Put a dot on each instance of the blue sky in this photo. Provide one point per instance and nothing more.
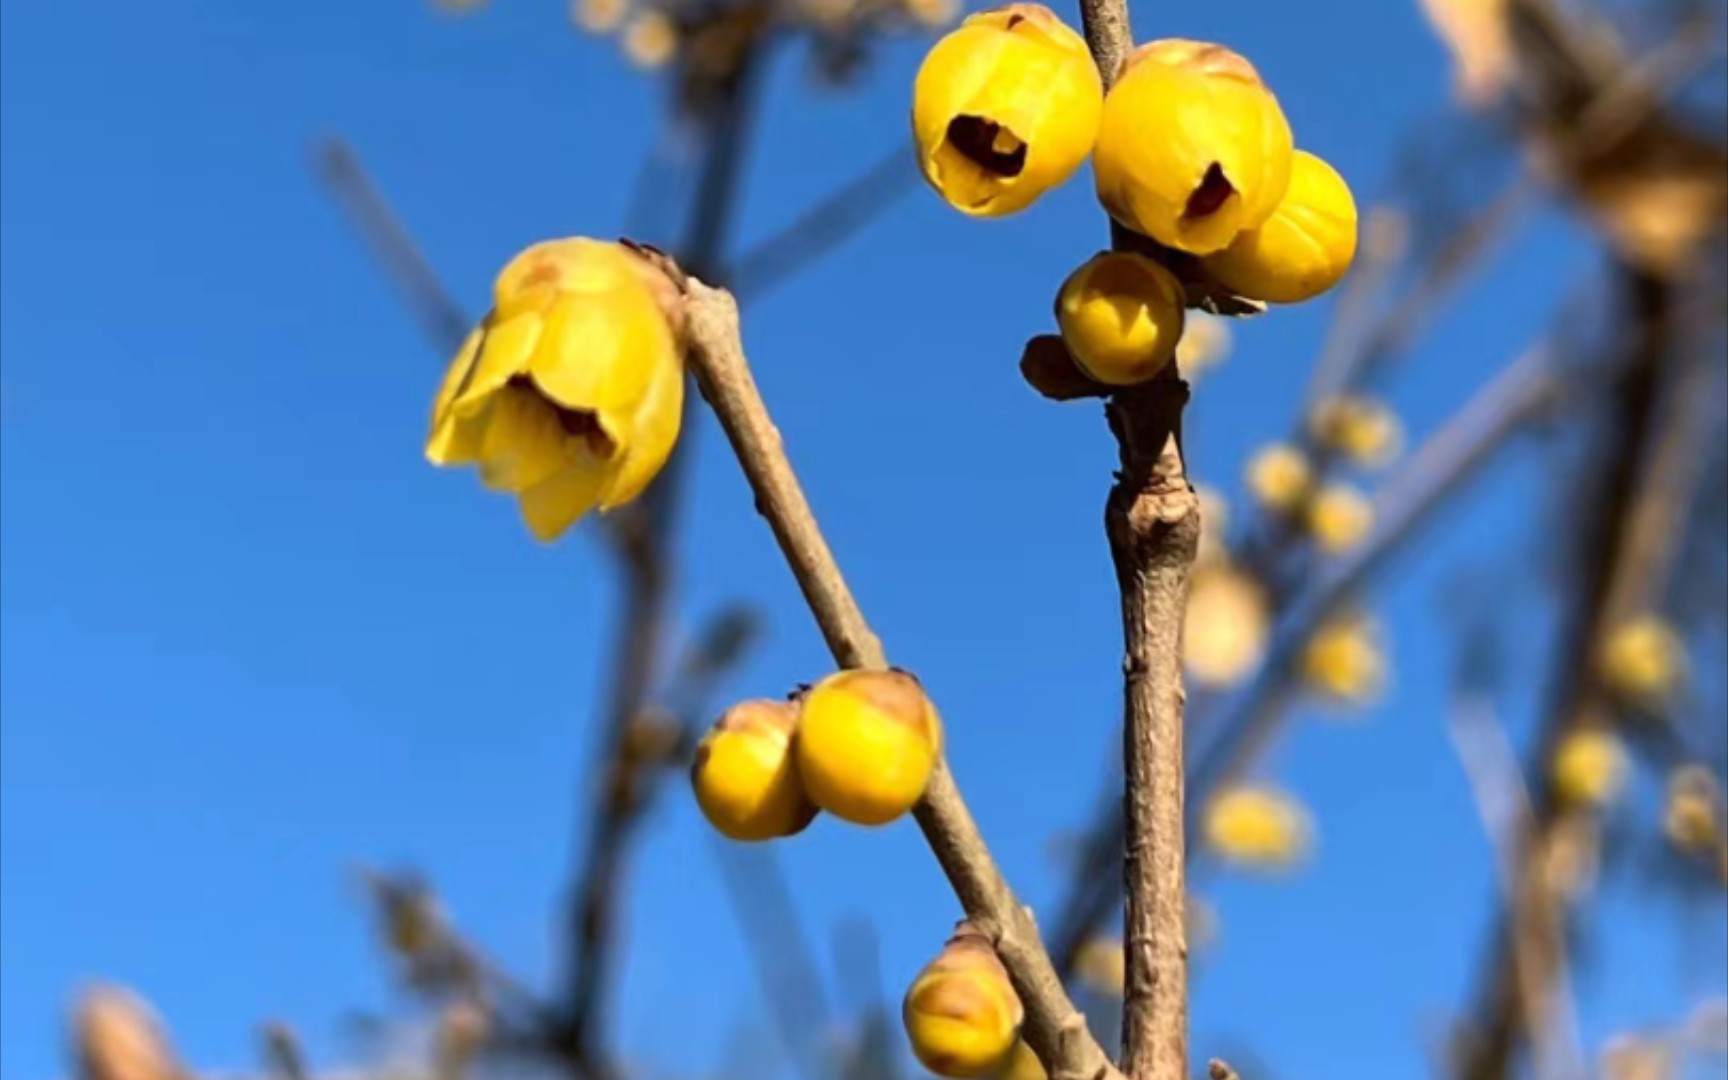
(251, 638)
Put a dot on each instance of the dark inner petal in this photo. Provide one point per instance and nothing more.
(1214, 191)
(1015, 20)
(577, 423)
(980, 141)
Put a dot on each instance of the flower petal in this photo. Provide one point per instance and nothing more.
(504, 353)
(653, 433)
(553, 505)
(524, 441)
(453, 441)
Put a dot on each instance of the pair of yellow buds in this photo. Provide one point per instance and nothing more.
(570, 393)
(859, 744)
(961, 1013)
(1189, 148)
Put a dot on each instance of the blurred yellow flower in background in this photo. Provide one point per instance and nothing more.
(1345, 660)
(1692, 818)
(1278, 477)
(933, 13)
(1643, 661)
(1589, 767)
(1257, 827)
(1339, 517)
(650, 40)
(116, 1035)
(1100, 964)
(1364, 430)
(1225, 629)
(1205, 344)
(599, 16)
(570, 393)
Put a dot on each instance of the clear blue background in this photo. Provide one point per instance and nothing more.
(251, 637)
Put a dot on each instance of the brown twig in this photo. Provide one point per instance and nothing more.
(1053, 1027)
(1152, 519)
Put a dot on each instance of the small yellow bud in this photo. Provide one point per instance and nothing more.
(116, 1035)
(1100, 964)
(1339, 517)
(1257, 827)
(1344, 660)
(651, 40)
(570, 393)
(933, 13)
(1643, 661)
(1022, 1064)
(1278, 477)
(1692, 820)
(1225, 629)
(599, 16)
(961, 1013)
(1121, 316)
(1305, 247)
(1205, 344)
(1589, 767)
(1005, 107)
(745, 777)
(867, 743)
(1363, 430)
(1192, 146)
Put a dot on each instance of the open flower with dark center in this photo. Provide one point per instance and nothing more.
(1192, 146)
(570, 393)
(1005, 108)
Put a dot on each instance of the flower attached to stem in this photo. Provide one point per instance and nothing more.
(1303, 249)
(867, 744)
(1121, 317)
(961, 1013)
(1005, 108)
(570, 393)
(1257, 827)
(745, 779)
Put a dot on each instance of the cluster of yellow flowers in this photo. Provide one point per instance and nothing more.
(859, 744)
(570, 393)
(1189, 148)
(1257, 827)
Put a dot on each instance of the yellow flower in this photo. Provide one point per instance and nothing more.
(1303, 249)
(569, 395)
(1589, 767)
(116, 1035)
(599, 16)
(1022, 1064)
(1121, 317)
(1257, 827)
(961, 1013)
(745, 779)
(1362, 429)
(933, 13)
(1192, 147)
(1344, 660)
(867, 743)
(651, 40)
(1692, 820)
(1225, 628)
(1278, 477)
(1643, 661)
(1205, 344)
(1339, 517)
(1100, 964)
(1005, 108)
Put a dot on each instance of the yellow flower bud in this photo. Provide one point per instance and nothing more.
(745, 778)
(569, 395)
(1022, 1064)
(1005, 108)
(1589, 767)
(1643, 661)
(1205, 344)
(1278, 477)
(651, 40)
(867, 743)
(1344, 660)
(961, 1013)
(116, 1035)
(1121, 316)
(1692, 819)
(1339, 517)
(1192, 146)
(1225, 629)
(1257, 827)
(933, 13)
(1363, 430)
(599, 16)
(1303, 249)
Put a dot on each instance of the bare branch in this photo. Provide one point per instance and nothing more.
(1054, 1028)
